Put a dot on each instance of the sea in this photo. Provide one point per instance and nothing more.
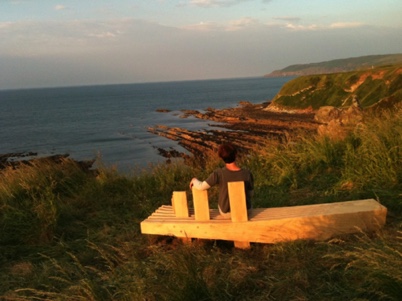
(110, 122)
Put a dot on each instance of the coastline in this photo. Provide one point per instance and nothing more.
(247, 126)
(15, 160)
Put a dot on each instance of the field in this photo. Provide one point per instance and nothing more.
(67, 233)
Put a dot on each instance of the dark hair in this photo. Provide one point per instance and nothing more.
(227, 152)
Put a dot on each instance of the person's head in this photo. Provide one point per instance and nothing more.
(227, 152)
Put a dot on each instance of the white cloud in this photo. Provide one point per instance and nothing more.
(60, 7)
(302, 27)
(215, 3)
(103, 35)
(346, 25)
(288, 19)
(242, 23)
(311, 27)
(203, 26)
(5, 25)
(233, 25)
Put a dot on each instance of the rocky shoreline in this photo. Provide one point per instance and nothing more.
(15, 160)
(248, 126)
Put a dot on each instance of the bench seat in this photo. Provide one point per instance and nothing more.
(272, 225)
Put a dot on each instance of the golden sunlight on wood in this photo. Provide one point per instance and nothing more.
(262, 225)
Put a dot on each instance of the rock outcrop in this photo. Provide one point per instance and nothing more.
(336, 123)
(247, 126)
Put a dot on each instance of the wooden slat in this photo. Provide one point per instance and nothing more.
(237, 198)
(238, 208)
(179, 202)
(180, 208)
(201, 206)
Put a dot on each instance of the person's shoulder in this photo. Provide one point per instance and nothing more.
(217, 171)
(246, 170)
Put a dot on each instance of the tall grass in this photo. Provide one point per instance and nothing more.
(378, 262)
(66, 234)
(31, 197)
(375, 161)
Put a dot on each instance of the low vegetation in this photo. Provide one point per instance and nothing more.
(70, 234)
(377, 87)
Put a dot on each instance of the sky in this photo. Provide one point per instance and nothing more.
(47, 43)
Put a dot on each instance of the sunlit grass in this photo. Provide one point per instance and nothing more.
(69, 234)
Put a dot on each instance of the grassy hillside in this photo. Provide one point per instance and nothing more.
(340, 65)
(381, 86)
(66, 234)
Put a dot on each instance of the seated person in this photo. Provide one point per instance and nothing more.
(221, 176)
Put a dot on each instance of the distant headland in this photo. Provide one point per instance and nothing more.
(339, 65)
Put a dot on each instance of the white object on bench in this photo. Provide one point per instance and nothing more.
(262, 225)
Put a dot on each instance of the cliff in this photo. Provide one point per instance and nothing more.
(372, 88)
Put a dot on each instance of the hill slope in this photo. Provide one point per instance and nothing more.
(381, 86)
(340, 65)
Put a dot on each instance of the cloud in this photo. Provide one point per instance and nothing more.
(31, 38)
(288, 19)
(346, 25)
(242, 23)
(103, 35)
(60, 7)
(215, 3)
(5, 25)
(203, 26)
(233, 25)
(299, 27)
(314, 27)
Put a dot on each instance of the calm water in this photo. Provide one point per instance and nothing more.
(112, 120)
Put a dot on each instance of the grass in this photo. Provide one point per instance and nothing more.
(67, 234)
(338, 89)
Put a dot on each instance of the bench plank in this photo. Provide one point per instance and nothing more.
(179, 202)
(273, 225)
(201, 205)
(180, 209)
(238, 208)
(237, 198)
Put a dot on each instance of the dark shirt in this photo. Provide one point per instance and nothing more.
(222, 176)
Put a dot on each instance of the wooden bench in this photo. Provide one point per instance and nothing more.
(261, 225)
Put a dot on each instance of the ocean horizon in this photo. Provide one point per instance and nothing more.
(110, 121)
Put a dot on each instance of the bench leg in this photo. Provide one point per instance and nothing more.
(242, 244)
(185, 240)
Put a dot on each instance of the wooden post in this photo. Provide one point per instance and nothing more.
(238, 208)
(201, 206)
(180, 208)
(179, 203)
